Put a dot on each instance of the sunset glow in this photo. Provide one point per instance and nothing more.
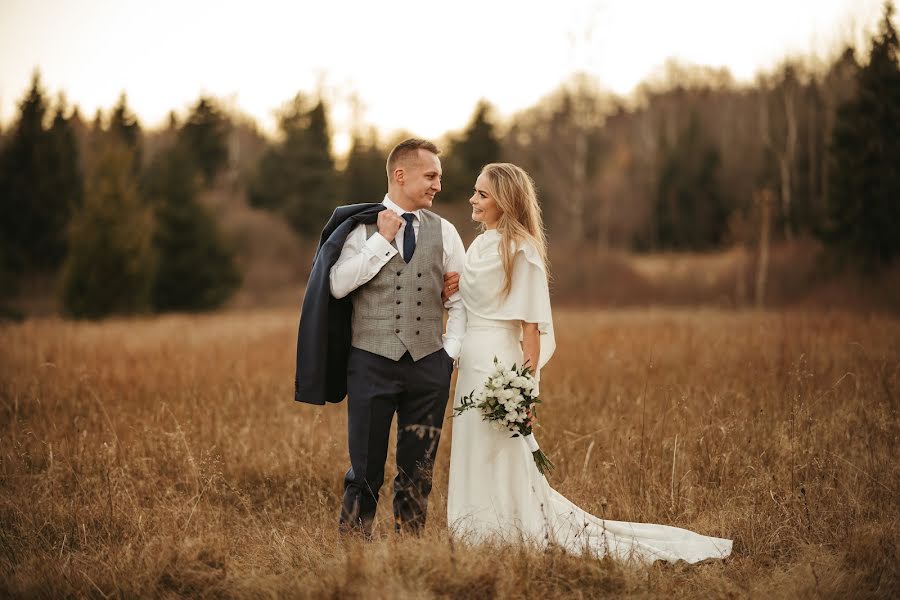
(417, 66)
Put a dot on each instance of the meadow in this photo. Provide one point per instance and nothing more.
(165, 457)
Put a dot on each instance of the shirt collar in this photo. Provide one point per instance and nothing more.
(394, 207)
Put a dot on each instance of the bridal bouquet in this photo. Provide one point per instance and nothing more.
(507, 403)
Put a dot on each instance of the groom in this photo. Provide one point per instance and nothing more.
(377, 333)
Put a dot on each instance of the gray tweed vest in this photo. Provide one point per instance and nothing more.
(400, 309)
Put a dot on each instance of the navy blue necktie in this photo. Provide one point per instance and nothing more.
(409, 237)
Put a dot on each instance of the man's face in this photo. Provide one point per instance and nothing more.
(421, 179)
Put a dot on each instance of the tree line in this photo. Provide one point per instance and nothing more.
(688, 165)
(692, 162)
(124, 232)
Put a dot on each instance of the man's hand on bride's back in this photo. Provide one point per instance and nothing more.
(451, 285)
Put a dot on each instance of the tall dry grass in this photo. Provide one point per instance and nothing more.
(165, 457)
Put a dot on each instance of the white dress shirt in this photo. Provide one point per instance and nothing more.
(362, 259)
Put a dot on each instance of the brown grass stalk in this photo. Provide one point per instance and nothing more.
(164, 457)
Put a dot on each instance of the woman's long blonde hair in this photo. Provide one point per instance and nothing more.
(513, 191)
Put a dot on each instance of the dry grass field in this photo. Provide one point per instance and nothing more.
(165, 457)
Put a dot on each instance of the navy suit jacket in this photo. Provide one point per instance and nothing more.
(323, 338)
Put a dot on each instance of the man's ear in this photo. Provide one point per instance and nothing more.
(399, 175)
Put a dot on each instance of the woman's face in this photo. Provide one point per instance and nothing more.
(484, 206)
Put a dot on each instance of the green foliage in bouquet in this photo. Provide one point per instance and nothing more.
(508, 403)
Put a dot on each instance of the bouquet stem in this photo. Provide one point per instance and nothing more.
(541, 460)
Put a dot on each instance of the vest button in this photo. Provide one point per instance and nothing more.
(420, 289)
(396, 331)
(399, 273)
(418, 318)
(398, 287)
(398, 302)
(417, 333)
(398, 316)
(419, 275)
(418, 304)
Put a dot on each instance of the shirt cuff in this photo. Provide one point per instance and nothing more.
(452, 299)
(452, 347)
(380, 247)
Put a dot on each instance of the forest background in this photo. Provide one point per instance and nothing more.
(694, 190)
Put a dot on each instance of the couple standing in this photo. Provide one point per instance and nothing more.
(371, 330)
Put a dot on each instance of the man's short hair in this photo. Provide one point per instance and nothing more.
(406, 148)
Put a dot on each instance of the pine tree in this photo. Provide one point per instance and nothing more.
(864, 195)
(475, 147)
(690, 209)
(315, 193)
(364, 178)
(478, 145)
(205, 137)
(66, 180)
(32, 213)
(111, 263)
(297, 176)
(124, 126)
(196, 268)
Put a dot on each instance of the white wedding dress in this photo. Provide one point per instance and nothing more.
(495, 491)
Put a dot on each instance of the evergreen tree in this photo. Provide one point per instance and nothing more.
(475, 147)
(297, 176)
(316, 180)
(364, 177)
(32, 215)
(205, 137)
(94, 140)
(111, 263)
(690, 209)
(124, 126)
(81, 131)
(196, 269)
(67, 182)
(864, 198)
(269, 187)
(478, 145)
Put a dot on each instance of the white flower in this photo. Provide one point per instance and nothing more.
(509, 376)
(498, 426)
(511, 416)
(521, 416)
(496, 382)
(529, 384)
(520, 382)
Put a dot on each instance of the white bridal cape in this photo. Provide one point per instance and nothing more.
(495, 490)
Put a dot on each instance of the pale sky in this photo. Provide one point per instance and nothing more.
(416, 65)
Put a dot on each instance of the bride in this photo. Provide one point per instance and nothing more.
(495, 491)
